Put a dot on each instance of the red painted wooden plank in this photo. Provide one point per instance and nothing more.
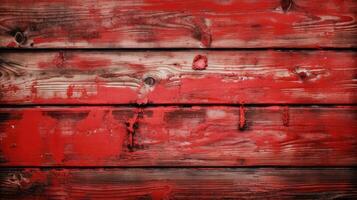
(117, 77)
(220, 183)
(180, 23)
(173, 136)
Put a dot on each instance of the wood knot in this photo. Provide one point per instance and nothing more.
(202, 32)
(149, 81)
(286, 5)
(302, 73)
(17, 180)
(20, 38)
(199, 62)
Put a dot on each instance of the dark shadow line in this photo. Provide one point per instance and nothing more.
(175, 49)
(185, 167)
(183, 105)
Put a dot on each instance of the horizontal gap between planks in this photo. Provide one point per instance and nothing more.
(173, 105)
(177, 49)
(184, 167)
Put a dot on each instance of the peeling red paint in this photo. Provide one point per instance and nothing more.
(152, 113)
(218, 24)
(100, 136)
(286, 116)
(305, 77)
(57, 61)
(200, 62)
(84, 62)
(89, 138)
(242, 119)
(10, 88)
(70, 91)
(34, 90)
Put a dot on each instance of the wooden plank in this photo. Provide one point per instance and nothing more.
(222, 183)
(174, 136)
(225, 77)
(182, 24)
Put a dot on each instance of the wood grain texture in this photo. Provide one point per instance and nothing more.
(188, 77)
(173, 136)
(181, 23)
(191, 183)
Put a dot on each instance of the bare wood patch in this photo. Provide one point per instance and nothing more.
(271, 183)
(225, 77)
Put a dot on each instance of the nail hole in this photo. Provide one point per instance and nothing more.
(20, 38)
(149, 81)
(302, 75)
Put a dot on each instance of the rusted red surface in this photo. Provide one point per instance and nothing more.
(173, 136)
(180, 23)
(258, 77)
(221, 183)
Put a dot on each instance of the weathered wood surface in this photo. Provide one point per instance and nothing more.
(180, 23)
(269, 183)
(190, 77)
(173, 136)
